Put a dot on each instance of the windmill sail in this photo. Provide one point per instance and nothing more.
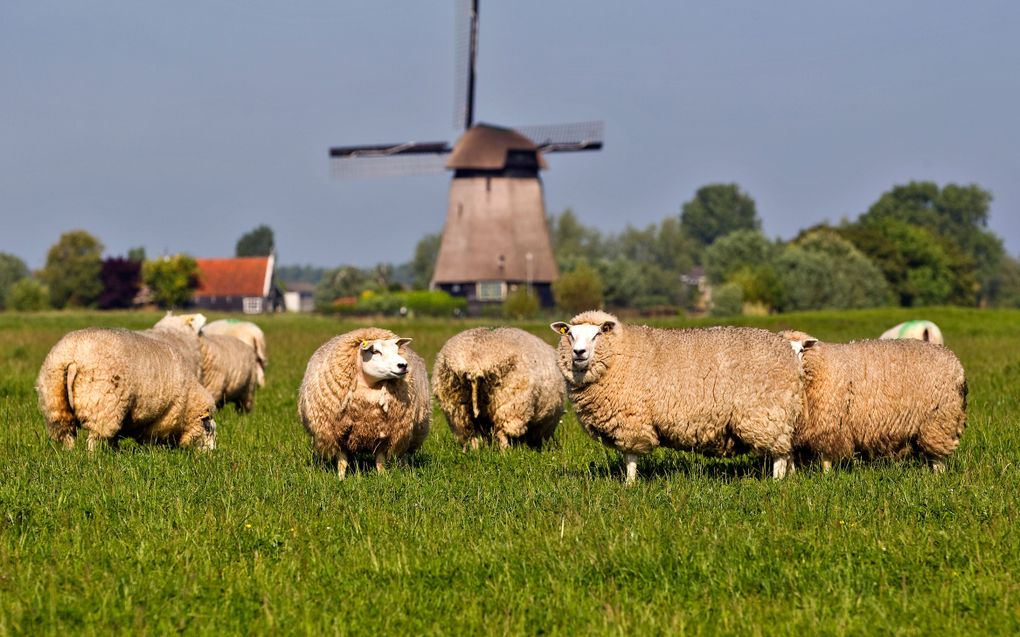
(559, 138)
(466, 53)
(383, 160)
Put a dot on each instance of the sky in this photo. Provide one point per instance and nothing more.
(180, 126)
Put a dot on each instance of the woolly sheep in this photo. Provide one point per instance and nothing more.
(719, 391)
(879, 399)
(365, 392)
(920, 330)
(247, 332)
(499, 383)
(229, 370)
(117, 383)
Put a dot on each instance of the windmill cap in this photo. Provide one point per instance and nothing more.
(485, 147)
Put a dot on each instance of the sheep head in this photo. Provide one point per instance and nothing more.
(799, 341)
(584, 345)
(380, 359)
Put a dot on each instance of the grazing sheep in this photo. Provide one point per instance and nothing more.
(920, 330)
(117, 383)
(499, 383)
(229, 370)
(879, 399)
(246, 332)
(182, 331)
(365, 392)
(719, 391)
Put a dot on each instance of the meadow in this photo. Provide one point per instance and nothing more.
(259, 538)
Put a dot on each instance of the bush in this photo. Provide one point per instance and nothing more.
(414, 302)
(522, 303)
(727, 300)
(172, 280)
(579, 290)
(28, 295)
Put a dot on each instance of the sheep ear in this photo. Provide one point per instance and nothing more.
(560, 327)
(608, 327)
(403, 341)
(808, 343)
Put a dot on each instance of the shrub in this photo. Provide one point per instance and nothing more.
(727, 300)
(522, 303)
(578, 290)
(28, 295)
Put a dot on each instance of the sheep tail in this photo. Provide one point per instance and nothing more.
(474, 395)
(56, 395)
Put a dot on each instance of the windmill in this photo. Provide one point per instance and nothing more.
(495, 236)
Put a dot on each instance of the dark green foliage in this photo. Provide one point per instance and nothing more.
(737, 250)
(424, 263)
(28, 295)
(299, 273)
(1004, 287)
(821, 270)
(522, 303)
(345, 282)
(716, 211)
(578, 290)
(72, 270)
(12, 270)
(256, 243)
(173, 280)
(137, 254)
(727, 300)
(410, 304)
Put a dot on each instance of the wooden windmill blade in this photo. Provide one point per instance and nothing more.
(465, 56)
(562, 138)
(383, 160)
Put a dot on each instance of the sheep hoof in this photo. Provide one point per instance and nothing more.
(826, 465)
(68, 442)
(341, 467)
(938, 467)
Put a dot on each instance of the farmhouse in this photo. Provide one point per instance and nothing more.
(242, 284)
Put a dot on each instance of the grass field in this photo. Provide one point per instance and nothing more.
(258, 538)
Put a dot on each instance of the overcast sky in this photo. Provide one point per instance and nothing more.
(179, 126)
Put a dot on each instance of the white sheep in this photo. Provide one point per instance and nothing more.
(920, 330)
(879, 398)
(117, 383)
(248, 333)
(365, 392)
(499, 383)
(718, 391)
(229, 370)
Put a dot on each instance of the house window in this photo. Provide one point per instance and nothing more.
(252, 305)
(491, 290)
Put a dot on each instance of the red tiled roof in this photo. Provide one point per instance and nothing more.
(243, 276)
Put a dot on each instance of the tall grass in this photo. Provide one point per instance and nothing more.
(259, 538)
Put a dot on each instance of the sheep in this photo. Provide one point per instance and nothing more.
(365, 392)
(879, 398)
(116, 383)
(499, 383)
(182, 332)
(920, 330)
(246, 332)
(229, 370)
(720, 390)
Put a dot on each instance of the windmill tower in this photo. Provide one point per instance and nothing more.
(495, 238)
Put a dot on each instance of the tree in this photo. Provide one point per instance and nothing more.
(738, 250)
(173, 280)
(256, 243)
(1004, 290)
(122, 279)
(716, 211)
(573, 241)
(957, 215)
(137, 254)
(72, 270)
(822, 270)
(578, 290)
(12, 270)
(28, 295)
(727, 300)
(344, 282)
(424, 263)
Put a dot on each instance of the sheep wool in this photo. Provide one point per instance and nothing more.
(246, 332)
(346, 412)
(229, 370)
(920, 330)
(718, 391)
(880, 398)
(116, 383)
(502, 384)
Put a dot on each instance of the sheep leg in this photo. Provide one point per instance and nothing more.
(93, 441)
(826, 464)
(780, 466)
(938, 466)
(341, 465)
(502, 442)
(380, 462)
(68, 441)
(473, 443)
(631, 460)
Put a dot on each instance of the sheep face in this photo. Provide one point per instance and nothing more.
(186, 322)
(799, 341)
(583, 340)
(381, 360)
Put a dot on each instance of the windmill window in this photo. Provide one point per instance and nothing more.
(491, 290)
